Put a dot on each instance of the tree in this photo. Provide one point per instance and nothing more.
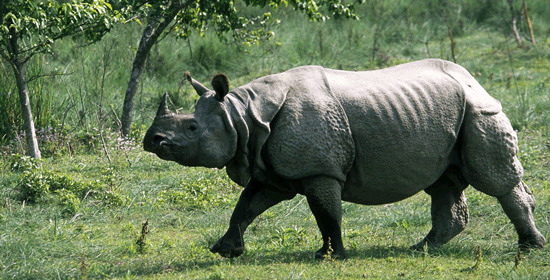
(181, 17)
(516, 14)
(30, 27)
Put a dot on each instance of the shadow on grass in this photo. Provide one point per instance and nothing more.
(154, 265)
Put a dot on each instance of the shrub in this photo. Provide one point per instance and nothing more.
(21, 163)
(32, 186)
(68, 201)
(36, 183)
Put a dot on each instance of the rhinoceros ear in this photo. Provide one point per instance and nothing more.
(220, 82)
(163, 108)
(199, 88)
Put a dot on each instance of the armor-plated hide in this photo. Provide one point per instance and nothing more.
(370, 137)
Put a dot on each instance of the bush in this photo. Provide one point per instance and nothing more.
(32, 186)
(24, 163)
(68, 201)
(36, 183)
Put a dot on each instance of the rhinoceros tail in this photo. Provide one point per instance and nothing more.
(488, 143)
(477, 98)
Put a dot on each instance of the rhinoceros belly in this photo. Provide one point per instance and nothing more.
(404, 123)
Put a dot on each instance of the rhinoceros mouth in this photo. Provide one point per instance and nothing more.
(156, 143)
(162, 150)
(163, 153)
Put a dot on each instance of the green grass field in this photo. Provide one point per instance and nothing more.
(188, 209)
(79, 212)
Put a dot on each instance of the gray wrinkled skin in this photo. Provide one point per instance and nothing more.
(371, 137)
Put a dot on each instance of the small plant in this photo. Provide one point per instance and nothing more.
(36, 183)
(137, 132)
(478, 259)
(24, 163)
(32, 186)
(517, 259)
(425, 250)
(328, 256)
(199, 194)
(142, 245)
(289, 236)
(83, 268)
(68, 201)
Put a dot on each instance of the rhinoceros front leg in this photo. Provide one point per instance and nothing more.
(324, 198)
(254, 200)
(449, 209)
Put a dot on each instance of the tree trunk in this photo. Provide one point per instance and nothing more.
(515, 31)
(529, 23)
(137, 70)
(514, 20)
(152, 31)
(32, 141)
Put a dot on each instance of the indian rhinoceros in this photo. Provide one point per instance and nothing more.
(371, 137)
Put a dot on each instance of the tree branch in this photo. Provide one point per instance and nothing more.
(514, 21)
(155, 27)
(35, 77)
(529, 23)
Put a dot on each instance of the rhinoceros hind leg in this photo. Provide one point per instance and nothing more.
(324, 198)
(449, 209)
(519, 205)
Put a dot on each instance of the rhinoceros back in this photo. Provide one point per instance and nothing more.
(385, 134)
(405, 122)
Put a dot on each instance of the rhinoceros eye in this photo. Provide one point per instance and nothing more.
(191, 130)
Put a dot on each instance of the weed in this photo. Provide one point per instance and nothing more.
(142, 245)
(36, 183)
(32, 186)
(201, 193)
(517, 259)
(478, 259)
(328, 256)
(68, 201)
(21, 163)
(83, 268)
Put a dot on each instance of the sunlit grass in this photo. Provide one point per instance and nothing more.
(36, 241)
(188, 209)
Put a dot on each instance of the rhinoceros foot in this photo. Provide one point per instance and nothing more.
(519, 205)
(425, 245)
(227, 247)
(335, 254)
(536, 241)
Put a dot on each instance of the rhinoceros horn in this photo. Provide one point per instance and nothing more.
(199, 88)
(163, 108)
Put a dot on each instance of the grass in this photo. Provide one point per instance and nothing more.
(37, 241)
(188, 209)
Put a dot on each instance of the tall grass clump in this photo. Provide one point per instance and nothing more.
(41, 99)
(9, 100)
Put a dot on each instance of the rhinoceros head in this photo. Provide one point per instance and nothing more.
(203, 138)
